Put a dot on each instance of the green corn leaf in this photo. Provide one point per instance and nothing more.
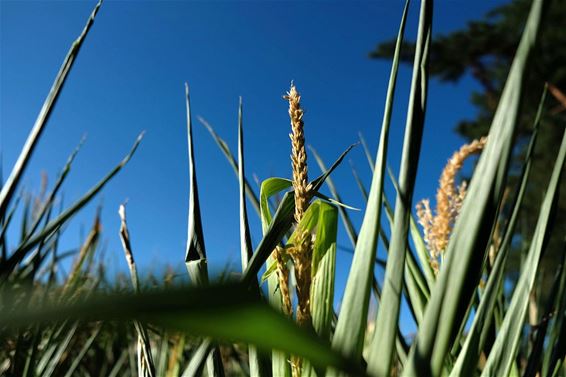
(246, 249)
(226, 312)
(465, 253)
(232, 161)
(382, 349)
(361, 186)
(503, 352)
(420, 246)
(12, 182)
(352, 320)
(321, 219)
(476, 337)
(367, 153)
(271, 186)
(417, 289)
(195, 256)
(258, 365)
(555, 353)
(537, 350)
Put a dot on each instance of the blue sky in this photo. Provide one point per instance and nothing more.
(129, 77)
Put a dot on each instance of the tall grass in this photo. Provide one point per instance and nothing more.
(451, 273)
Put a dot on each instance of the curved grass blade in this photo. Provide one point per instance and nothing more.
(232, 161)
(269, 187)
(73, 281)
(196, 364)
(50, 228)
(35, 133)
(352, 320)
(417, 238)
(382, 351)
(475, 339)
(506, 344)
(6, 222)
(556, 353)
(359, 182)
(369, 157)
(224, 312)
(51, 196)
(58, 351)
(537, 351)
(246, 249)
(195, 256)
(458, 277)
(84, 349)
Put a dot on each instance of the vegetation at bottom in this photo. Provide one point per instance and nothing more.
(447, 260)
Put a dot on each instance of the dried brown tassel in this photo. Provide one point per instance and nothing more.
(449, 200)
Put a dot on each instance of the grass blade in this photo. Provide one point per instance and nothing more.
(60, 220)
(35, 133)
(196, 364)
(58, 184)
(84, 349)
(224, 312)
(352, 320)
(359, 182)
(258, 366)
(506, 344)
(232, 161)
(245, 238)
(382, 349)
(417, 238)
(469, 354)
(195, 257)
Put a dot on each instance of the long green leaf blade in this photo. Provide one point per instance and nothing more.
(475, 339)
(352, 320)
(224, 312)
(195, 256)
(257, 364)
(506, 344)
(223, 146)
(53, 225)
(35, 133)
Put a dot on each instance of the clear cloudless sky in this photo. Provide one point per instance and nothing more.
(129, 77)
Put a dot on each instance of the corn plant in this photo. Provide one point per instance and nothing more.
(450, 270)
